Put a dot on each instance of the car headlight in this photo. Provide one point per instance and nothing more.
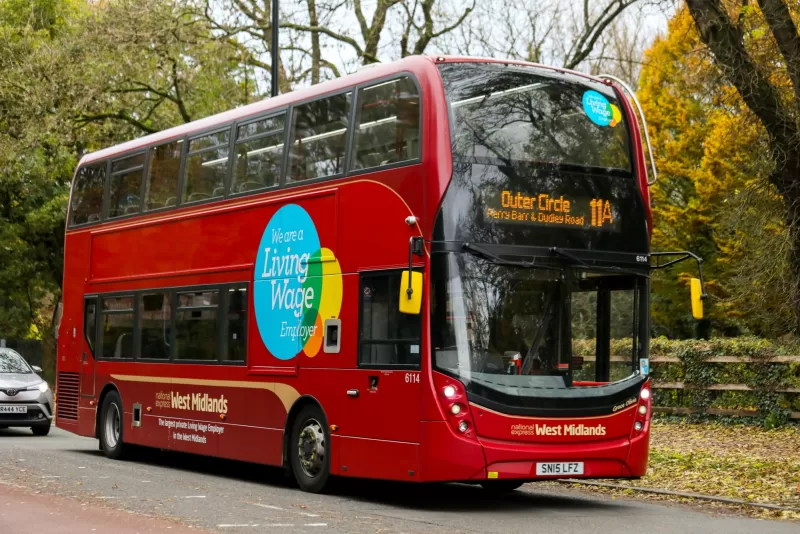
(43, 387)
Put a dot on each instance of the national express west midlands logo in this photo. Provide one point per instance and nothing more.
(599, 110)
(297, 285)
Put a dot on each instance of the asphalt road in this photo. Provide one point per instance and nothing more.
(226, 496)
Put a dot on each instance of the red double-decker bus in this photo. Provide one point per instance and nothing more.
(414, 272)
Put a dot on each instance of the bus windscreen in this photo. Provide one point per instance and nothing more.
(509, 117)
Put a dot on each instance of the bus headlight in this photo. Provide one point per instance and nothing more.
(449, 392)
(645, 394)
(463, 426)
(455, 409)
(643, 409)
(637, 425)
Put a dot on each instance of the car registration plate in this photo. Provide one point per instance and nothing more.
(13, 409)
(559, 468)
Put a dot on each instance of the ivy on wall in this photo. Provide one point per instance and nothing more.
(758, 370)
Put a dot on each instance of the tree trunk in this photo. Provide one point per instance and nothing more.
(788, 176)
(315, 47)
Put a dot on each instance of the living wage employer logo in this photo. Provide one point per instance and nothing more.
(297, 285)
(599, 110)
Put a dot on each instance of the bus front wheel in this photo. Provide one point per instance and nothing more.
(309, 450)
(111, 426)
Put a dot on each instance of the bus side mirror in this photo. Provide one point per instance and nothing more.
(411, 281)
(697, 298)
(411, 292)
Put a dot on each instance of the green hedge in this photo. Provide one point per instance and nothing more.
(763, 375)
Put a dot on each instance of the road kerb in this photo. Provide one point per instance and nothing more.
(687, 495)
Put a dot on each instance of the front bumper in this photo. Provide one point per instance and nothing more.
(446, 457)
(601, 459)
(39, 409)
(38, 415)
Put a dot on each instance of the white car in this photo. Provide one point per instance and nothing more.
(25, 398)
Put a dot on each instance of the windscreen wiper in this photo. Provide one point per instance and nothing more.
(479, 251)
(606, 268)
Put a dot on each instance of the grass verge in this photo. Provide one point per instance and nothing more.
(739, 461)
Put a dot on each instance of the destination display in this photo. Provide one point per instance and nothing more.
(552, 209)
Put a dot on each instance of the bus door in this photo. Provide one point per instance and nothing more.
(384, 391)
(84, 345)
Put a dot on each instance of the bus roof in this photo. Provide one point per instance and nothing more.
(373, 71)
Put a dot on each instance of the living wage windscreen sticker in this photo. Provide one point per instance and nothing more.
(297, 285)
(599, 110)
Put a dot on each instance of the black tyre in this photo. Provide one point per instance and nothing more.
(309, 450)
(40, 430)
(111, 426)
(502, 486)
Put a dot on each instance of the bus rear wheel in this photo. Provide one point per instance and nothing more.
(111, 426)
(501, 486)
(309, 450)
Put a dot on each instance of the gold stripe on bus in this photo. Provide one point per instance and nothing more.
(286, 393)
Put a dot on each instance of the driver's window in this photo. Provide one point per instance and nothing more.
(387, 338)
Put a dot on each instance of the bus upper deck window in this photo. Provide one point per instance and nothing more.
(206, 166)
(162, 179)
(319, 138)
(87, 194)
(259, 150)
(387, 121)
(124, 186)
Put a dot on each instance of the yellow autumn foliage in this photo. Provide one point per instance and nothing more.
(713, 195)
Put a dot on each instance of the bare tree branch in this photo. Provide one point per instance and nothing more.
(428, 33)
(119, 115)
(330, 33)
(593, 31)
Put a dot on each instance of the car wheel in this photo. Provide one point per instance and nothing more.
(309, 450)
(111, 426)
(501, 486)
(40, 430)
